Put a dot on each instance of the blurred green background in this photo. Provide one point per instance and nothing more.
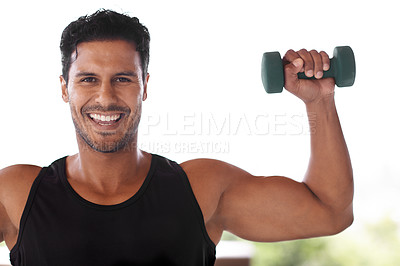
(373, 244)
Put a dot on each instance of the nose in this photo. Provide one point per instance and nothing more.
(106, 94)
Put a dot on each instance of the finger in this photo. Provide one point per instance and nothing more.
(318, 66)
(294, 61)
(326, 62)
(290, 56)
(293, 64)
(308, 62)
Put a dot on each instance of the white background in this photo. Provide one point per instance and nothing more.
(205, 64)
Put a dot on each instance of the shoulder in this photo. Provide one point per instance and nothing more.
(15, 176)
(215, 176)
(210, 178)
(20, 169)
(15, 184)
(213, 170)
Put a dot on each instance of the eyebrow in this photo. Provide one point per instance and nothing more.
(85, 74)
(127, 73)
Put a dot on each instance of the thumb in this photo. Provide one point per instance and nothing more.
(298, 64)
(291, 70)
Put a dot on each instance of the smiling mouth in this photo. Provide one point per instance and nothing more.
(105, 120)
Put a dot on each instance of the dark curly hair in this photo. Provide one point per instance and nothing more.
(100, 26)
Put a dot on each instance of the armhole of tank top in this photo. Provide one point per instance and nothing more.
(28, 205)
(195, 203)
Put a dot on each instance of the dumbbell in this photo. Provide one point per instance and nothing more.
(342, 69)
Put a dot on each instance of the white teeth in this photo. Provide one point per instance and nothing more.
(105, 118)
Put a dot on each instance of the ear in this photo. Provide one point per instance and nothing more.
(145, 87)
(64, 89)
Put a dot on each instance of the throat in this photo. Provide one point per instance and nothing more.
(107, 190)
(107, 182)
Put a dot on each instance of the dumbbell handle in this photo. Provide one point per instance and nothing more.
(330, 73)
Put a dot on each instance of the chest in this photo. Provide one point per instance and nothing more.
(156, 225)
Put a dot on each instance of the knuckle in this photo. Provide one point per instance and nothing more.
(306, 56)
(290, 53)
(314, 53)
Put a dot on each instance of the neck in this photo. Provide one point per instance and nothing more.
(108, 171)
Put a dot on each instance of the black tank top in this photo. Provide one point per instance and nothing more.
(161, 224)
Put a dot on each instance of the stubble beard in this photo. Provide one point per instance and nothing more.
(128, 141)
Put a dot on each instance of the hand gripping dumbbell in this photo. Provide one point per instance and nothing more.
(342, 69)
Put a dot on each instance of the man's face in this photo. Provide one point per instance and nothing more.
(105, 92)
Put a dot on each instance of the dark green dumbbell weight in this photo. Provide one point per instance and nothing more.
(343, 69)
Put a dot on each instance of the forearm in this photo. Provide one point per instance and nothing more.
(329, 175)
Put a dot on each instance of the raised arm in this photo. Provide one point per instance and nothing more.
(329, 175)
(278, 208)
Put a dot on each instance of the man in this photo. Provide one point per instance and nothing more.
(114, 204)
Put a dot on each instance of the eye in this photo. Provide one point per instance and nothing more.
(122, 79)
(88, 79)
